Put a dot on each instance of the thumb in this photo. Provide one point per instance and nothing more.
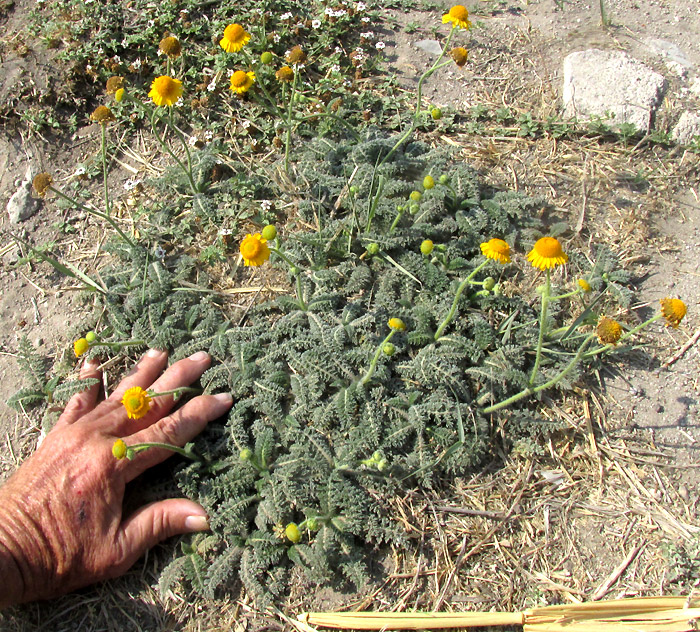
(160, 520)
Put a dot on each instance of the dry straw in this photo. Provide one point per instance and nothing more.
(644, 614)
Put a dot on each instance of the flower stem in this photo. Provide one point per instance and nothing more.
(627, 334)
(93, 212)
(453, 309)
(543, 324)
(161, 141)
(375, 359)
(419, 98)
(288, 137)
(140, 447)
(108, 208)
(530, 390)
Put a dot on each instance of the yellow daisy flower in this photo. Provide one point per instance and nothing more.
(673, 310)
(254, 250)
(609, 331)
(397, 324)
(119, 449)
(137, 402)
(165, 90)
(459, 16)
(80, 346)
(496, 249)
(235, 38)
(242, 81)
(584, 285)
(547, 253)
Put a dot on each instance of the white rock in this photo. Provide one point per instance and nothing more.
(687, 128)
(22, 205)
(669, 51)
(432, 47)
(611, 84)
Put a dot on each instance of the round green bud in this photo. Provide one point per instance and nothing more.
(269, 232)
(293, 533)
(416, 196)
(382, 465)
(436, 113)
(266, 57)
(91, 336)
(497, 289)
(388, 348)
(400, 208)
(376, 455)
(246, 454)
(489, 283)
(428, 182)
(443, 179)
(427, 247)
(353, 190)
(413, 209)
(373, 248)
(312, 523)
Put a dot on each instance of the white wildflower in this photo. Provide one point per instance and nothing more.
(192, 141)
(361, 6)
(380, 45)
(286, 16)
(315, 24)
(265, 205)
(212, 85)
(367, 35)
(365, 19)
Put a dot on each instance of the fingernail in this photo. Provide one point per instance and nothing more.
(196, 523)
(199, 356)
(154, 353)
(91, 364)
(224, 398)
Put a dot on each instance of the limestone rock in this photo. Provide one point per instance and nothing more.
(22, 205)
(432, 47)
(611, 84)
(687, 128)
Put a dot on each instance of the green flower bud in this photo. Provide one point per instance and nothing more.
(373, 249)
(400, 208)
(388, 348)
(91, 336)
(353, 190)
(413, 209)
(376, 455)
(382, 466)
(436, 113)
(489, 283)
(246, 454)
(266, 57)
(293, 533)
(428, 182)
(427, 247)
(416, 196)
(497, 289)
(312, 523)
(269, 232)
(443, 179)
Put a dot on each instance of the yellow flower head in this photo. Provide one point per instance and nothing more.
(137, 402)
(41, 183)
(170, 46)
(584, 285)
(427, 246)
(293, 533)
(102, 115)
(496, 249)
(673, 310)
(80, 346)
(459, 16)
(235, 38)
(165, 90)
(397, 324)
(254, 250)
(460, 55)
(547, 253)
(119, 95)
(119, 449)
(285, 74)
(113, 84)
(609, 331)
(241, 81)
(295, 56)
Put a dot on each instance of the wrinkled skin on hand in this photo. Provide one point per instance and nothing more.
(61, 522)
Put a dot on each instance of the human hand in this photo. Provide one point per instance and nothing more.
(61, 523)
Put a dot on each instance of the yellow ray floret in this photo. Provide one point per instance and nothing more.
(137, 402)
(254, 250)
(547, 253)
(165, 90)
(496, 249)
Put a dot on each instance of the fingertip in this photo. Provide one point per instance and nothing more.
(155, 353)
